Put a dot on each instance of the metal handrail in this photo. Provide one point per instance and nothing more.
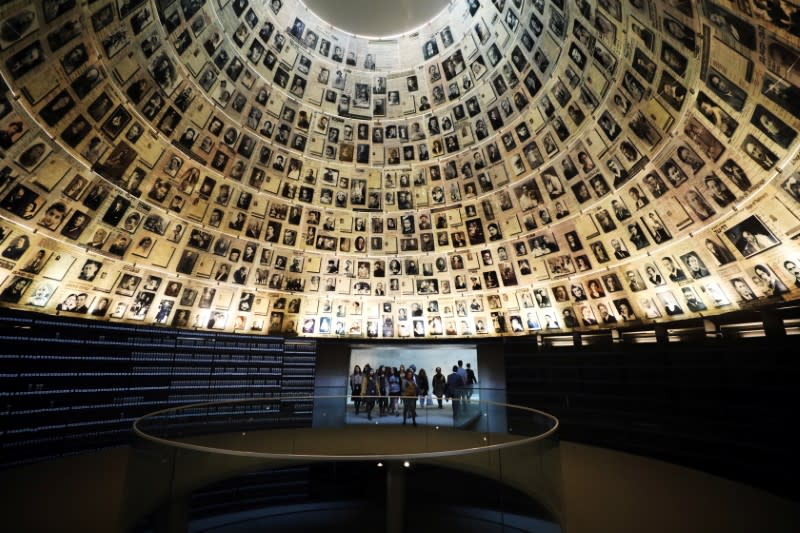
(140, 432)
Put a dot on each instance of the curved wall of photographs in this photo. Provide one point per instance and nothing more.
(512, 166)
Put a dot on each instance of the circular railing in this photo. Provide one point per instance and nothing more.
(262, 428)
(182, 449)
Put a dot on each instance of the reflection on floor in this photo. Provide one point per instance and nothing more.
(604, 491)
(429, 415)
(319, 517)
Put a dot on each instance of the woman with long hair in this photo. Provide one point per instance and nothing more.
(422, 386)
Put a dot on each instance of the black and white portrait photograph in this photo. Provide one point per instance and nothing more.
(725, 89)
(773, 127)
(751, 236)
(786, 95)
(759, 152)
(430, 49)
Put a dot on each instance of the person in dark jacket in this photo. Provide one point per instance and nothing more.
(409, 394)
(355, 387)
(454, 390)
(439, 385)
(370, 391)
(471, 381)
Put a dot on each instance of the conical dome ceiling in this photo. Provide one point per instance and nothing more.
(504, 168)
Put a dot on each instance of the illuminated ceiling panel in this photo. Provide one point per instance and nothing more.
(377, 17)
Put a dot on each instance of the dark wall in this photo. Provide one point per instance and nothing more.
(333, 368)
(330, 379)
(492, 372)
(723, 407)
(70, 385)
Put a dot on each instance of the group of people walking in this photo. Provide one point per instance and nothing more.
(387, 385)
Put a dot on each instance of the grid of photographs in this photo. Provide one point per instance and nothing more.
(522, 166)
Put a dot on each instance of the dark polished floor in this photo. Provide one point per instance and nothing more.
(604, 491)
(353, 515)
